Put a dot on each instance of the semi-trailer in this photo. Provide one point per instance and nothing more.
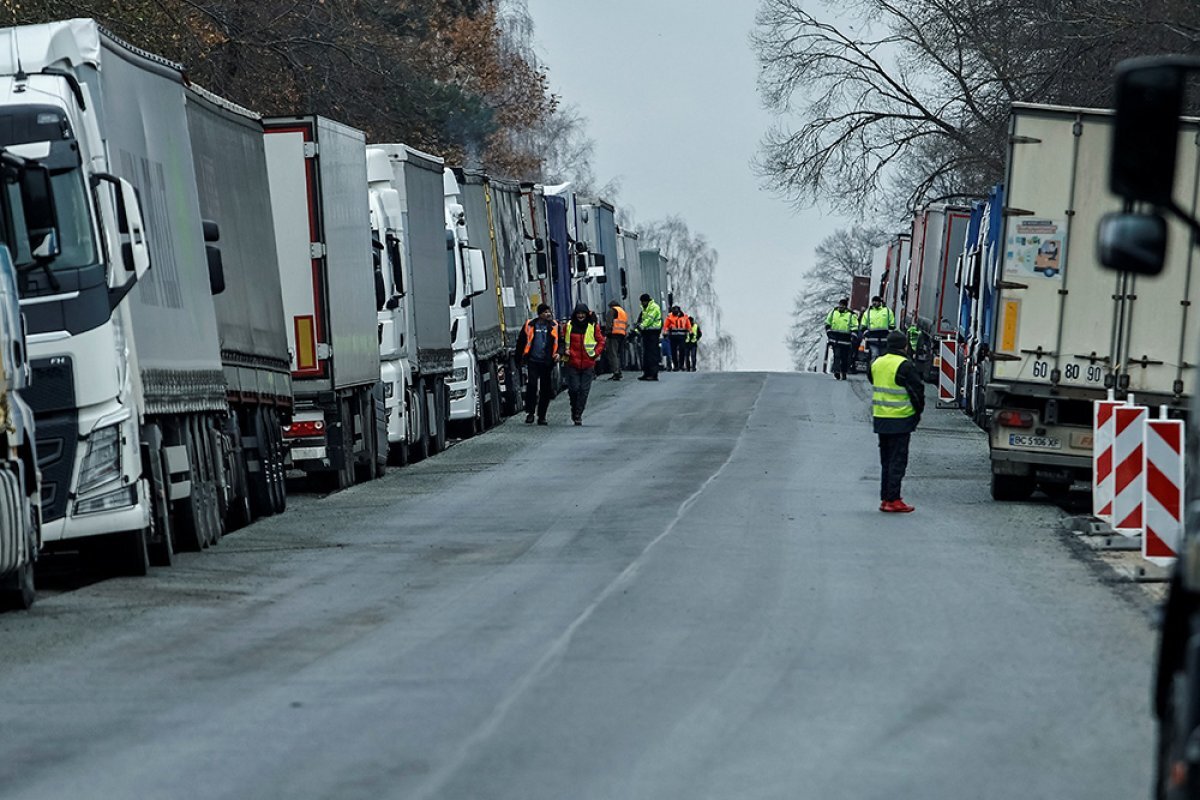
(928, 298)
(1066, 331)
(561, 261)
(318, 176)
(493, 340)
(20, 490)
(474, 384)
(596, 232)
(430, 287)
(229, 155)
(132, 395)
(656, 278)
(629, 269)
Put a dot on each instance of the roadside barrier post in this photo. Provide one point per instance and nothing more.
(1103, 439)
(1128, 469)
(1164, 487)
(948, 372)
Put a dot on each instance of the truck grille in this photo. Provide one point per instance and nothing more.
(53, 386)
(57, 440)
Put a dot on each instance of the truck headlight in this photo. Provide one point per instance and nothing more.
(120, 498)
(389, 390)
(102, 461)
(458, 375)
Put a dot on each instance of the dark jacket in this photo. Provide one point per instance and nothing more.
(909, 377)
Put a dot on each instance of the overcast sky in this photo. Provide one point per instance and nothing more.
(668, 87)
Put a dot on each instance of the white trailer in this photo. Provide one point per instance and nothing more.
(1067, 330)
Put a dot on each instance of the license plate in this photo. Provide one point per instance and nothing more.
(1038, 442)
(307, 453)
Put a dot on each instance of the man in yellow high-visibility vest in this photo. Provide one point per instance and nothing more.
(840, 326)
(897, 401)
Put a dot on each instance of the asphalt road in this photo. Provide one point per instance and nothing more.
(691, 596)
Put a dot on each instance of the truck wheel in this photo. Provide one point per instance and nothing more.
(160, 539)
(17, 591)
(441, 402)
(261, 480)
(191, 520)
(1011, 487)
(276, 456)
(418, 449)
(369, 469)
(128, 554)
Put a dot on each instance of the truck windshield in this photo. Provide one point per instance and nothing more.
(45, 128)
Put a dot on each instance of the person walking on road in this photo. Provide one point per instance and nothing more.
(616, 324)
(677, 326)
(897, 403)
(649, 327)
(840, 325)
(876, 322)
(537, 347)
(693, 344)
(583, 344)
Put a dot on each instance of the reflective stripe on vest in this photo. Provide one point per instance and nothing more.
(553, 338)
(890, 400)
(621, 322)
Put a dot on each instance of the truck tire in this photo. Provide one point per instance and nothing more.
(512, 388)
(277, 458)
(1006, 488)
(127, 554)
(189, 522)
(368, 469)
(437, 426)
(261, 479)
(17, 590)
(160, 539)
(418, 450)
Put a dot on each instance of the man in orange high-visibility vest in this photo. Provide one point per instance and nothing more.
(616, 325)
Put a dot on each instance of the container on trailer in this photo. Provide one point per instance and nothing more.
(486, 308)
(318, 177)
(508, 230)
(234, 190)
(1065, 329)
(596, 226)
(860, 292)
(560, 253)
(419, 177)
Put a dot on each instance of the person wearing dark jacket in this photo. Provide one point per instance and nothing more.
(537, 348)
(583, 344)
(897, 403)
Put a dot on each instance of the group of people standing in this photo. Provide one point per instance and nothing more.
(580, 343)
(845, 328)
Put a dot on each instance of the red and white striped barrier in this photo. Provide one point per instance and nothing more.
(1103, 436)
(948, 372)
(1163, 500)
(1128, 469)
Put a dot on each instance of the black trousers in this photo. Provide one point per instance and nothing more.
(841, 357)
(691, 356)
(614, 351)
(651, 354)
(678, 351)
(538, 388)
(893, 458)
(579, 386)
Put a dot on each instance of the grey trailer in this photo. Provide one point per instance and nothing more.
(419, 178)
(487, 308)
(655, 276)
(596, 226)
(318, 179)
(229, 155)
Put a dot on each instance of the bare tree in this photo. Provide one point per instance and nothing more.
(839, 258)
(900, 101)
(693, 267)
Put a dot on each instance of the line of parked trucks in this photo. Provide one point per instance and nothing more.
(196, 300)
(1039, 328)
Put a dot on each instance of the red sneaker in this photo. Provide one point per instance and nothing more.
(901, 507)
(884, 504)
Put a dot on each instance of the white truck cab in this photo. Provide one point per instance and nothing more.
(468, 272)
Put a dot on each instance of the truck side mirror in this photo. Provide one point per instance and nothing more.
(477, 270)
(212, 231)
(216, 269)
(581, 263)
(1133, 242)
(135, 248)
(1146, 132)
